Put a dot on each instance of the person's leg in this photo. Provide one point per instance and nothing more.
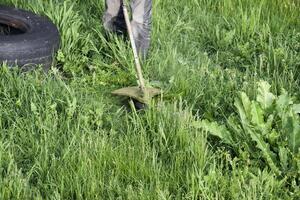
(141, 24)
(113, 18)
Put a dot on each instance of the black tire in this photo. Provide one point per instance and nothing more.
(33, 40)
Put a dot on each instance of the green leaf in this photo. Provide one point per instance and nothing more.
(269, 124)
(292, 129)
(234, 126)
(246, 104)
(296, 108)
(214, 129)
(273, 137)
(269, 156)
(257, 115)
(264, 96)
(243, 106)
(283, 102)
(283, 156)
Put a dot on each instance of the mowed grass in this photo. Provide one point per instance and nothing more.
(63, 136)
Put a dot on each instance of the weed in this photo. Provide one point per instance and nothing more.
(63, 136)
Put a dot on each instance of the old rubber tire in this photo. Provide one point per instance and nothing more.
(34, 43)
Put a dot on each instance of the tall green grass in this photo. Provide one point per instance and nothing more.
(63, 136)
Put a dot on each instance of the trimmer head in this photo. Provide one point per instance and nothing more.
(137, 94)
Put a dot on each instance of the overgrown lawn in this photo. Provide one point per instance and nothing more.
(64, 136)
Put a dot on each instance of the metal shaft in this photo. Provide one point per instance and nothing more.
(134, 49)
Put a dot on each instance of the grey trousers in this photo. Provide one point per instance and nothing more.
(113, 20)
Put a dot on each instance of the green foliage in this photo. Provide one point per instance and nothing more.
(267, 129)
(64, 136)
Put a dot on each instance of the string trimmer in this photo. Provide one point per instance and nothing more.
(140, 93)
